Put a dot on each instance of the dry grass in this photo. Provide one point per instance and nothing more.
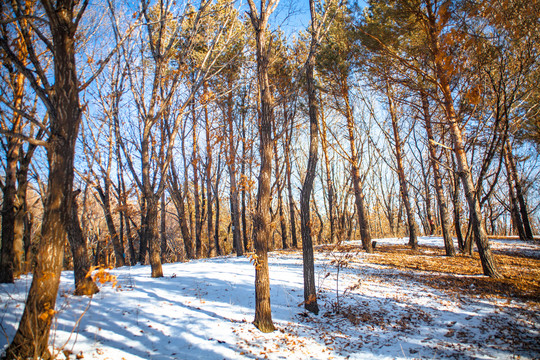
(521, 271)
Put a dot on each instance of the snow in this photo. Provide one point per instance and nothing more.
(203, 310)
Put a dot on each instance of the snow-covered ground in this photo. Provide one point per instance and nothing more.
(203, 310)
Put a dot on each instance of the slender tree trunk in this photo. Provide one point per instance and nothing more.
(231, 163)
(404, 187)
(209, 212)
(245, 184)
(179, 202)
(310, 292)
(482, 243)
(9, 263)
(196, 193)
(12, 205)
(143, 239)
(519, 194)
(22, 232)
(217, 244)
(329, 183)
(365, 234)
(84, 285)
(105, 202)
(151, 233)
(443, 209)
(288, 170)
(282, 220)
(261, 221)
(163, 229)
(514, 203)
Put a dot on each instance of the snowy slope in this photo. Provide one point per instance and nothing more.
(203, 310)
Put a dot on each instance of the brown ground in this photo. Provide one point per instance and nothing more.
(521, 271)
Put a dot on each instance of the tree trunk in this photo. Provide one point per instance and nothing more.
(149, 212)
(443, 209)
(261, 221)
(310, 292)
(514, 203)
(329, 184)
(519, 194)
(105, 202)
(9, 263)
(84, 285)
(163, 229)
(245, 185)
(217, 244)
(178, 199)
(209, 212)
(13, 206)
(231, 164)
(32, 334)
(288, 170)
(196, 193)
(151, 234)
(365, 234)
(488, 261)
(404, 187)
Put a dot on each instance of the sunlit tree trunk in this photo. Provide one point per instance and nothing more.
(329, 183)
(10, 260)
(178, 196)
(84, 285)
(261, 218)
(105, 202)
(482, 243)
(514, 203)
(209, 197)
(288, 171)
(280, 184)
(163, 229)
(365, 233)
(310, 292)
(443, 209)
(231, 164)
(404, 187)
(196, 192)
(519, 193)
(245, 236)
(12, 205)
(31, 338)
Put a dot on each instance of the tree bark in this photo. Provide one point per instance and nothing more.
(261, 220)
(288, 170)
(31, 338)
(209, 212)
(84, 285)
(488, 261)
(404, 187)
(514, 203)
(217, 244)
(196, 193)
(329, 183)
(355, 172)
(519, 194)
(443, 209)
(9, 263)
(310, 292)
(231, 164)
(105, 202)
(163, 229)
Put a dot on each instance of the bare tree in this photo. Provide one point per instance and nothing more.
(261, 221)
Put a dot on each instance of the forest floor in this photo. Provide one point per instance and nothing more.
(394, 304)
